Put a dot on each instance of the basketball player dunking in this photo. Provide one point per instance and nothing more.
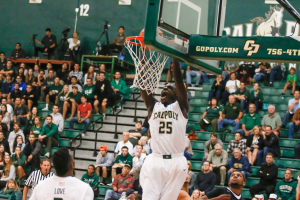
(165, 170)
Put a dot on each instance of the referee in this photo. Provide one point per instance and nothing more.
(37, 176)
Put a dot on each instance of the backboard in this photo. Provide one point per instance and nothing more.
(178, 19)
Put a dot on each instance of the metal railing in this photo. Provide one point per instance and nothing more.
(96, 135)
(136, 101)
(121, 102)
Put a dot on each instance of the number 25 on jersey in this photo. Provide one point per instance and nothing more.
(165, 127)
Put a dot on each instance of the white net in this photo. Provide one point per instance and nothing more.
(148, 65)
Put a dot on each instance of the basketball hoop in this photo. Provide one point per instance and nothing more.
(148, 64)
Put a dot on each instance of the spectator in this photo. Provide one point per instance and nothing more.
(260, 74)
(9, 171)
(236, 183)
(49, 42)
(103, 164)
(117, 43)
(49, 135)
(32, 151)
(242, 96)
(196, 195)
(37, 176)
(188, 151)
(18, 141)
(4, 143)
(294, 126)
(9, 108)
(137, 133)
(238, 162)
(268, 174)
(30, 121)
(22, 85)
(74, 84)
(19, 160)
(29, 78)
(212, 115)
(170, 72)
(89, 90)
(121, 185)
(20, 72)
(7, 69)
(254, 144)
(12, 190)
(271, 144)
(39, 81)
(103, 94)
(90, 74)
(271, 197)
(143, 143)
(273, 120)
(138, 159)
(6, 87)
(231, 115)
(297, 152)
(237, 143)
(54, 90)
(36, 70)
(74, 44)
(84, 115)
(192, 177)
(77, 73)
(123, 159)
(62, 96)
(218, 160)
(210, 145)
(21, 112)
(275, 74)
(217, 89)
(256, 97)
(91, 178)
(72, 101)
(57, 118)
(30, 98)
(5, 115)
(48, 68)
(15, 94)
(48, 81)
(293, 106)
(2, 157)
(12, 135)
(63, 73)
(37, 128)
(291, 82)
(230, 88)
(119, 85)
(188, 92)
(195, 72)
(23, 66)
(121, 144)
(3, 60)
(250, 120)
(286, 188)
(205, 180)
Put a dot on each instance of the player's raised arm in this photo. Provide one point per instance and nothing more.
(149, 101)
(180, 89)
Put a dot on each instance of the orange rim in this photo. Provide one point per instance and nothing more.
(139, 38)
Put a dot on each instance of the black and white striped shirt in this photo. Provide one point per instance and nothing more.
(35, 177)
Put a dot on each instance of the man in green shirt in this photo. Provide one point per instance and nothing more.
(242, 96)
(91, 178)
(119, 85)
(53, 92)
(49, 135)
(137, 133)
(121, 160)
(250, 120)
(232, 114)
(286, 188)
(88, 90)
(291, 82)
(72, 101)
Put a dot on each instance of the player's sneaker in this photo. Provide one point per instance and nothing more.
(109, 184)
(83, 134)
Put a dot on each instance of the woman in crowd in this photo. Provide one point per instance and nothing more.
(21, 74)
(74, 43)
(32, 151)
(12, 190)
(257, 97)
(2, 156)
(211, 116)
(5, 116)
(18, 142)
(30, 121)
(23, 65)
(9, 171)
(196, 195)
(36, 70)
(217, 89)
(37, 128)
(61, 97)
(29, 78)
(19, 160)
(254, 144)
(102, 68)
(77, 73)
(231, 86)
(90, 74)
(192, 177)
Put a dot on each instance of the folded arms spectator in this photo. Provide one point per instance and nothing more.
(217, 88)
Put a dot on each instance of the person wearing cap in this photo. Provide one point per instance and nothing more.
(121, 160)
(272, 197)
(286, 188)
(49, 42)
(103, 164)
(84, 115)
(137, 133)
(121, 144)
(74, 83)
(72, 101)
(237, 143)
(122, 185)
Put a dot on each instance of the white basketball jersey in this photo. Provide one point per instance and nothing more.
(167, 128)
(62, 188)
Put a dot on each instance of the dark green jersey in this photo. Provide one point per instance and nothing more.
(36, 131)
(56, 89)
(212, 113)
(61, 99)
(91, 180)
(232, 111)
(76, 97)
(89, 91)
(251, 120)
